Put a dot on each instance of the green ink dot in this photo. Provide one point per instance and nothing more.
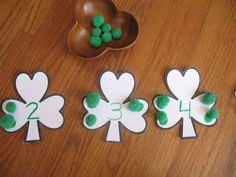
(91, 120)
(98, 20)
(135, 105)
(93, 99)
(95, 41)
(209, 98)
(212, 114)
(96, 32)
(11, 107)
(162, 117)
(117, 33)
(106, 27)
(7, 121)
(162, 101)
(106, 37)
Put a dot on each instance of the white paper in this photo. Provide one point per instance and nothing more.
(183, 86)
(34, 107)
(115, 111)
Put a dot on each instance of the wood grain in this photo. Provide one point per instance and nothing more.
(173, 33)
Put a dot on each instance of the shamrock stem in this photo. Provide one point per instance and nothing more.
(113, 133)
(188, 128)
(33, 131)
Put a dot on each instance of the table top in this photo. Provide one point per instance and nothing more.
(173, 34)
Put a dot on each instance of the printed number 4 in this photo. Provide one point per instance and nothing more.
(35, 107)
(185, 110)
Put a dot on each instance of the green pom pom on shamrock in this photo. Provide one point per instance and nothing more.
(162, 117)
(106, 37)
(98, 20)
(116, 33)
(106, 27)
(96, 32)
(209, 98)
(7, 121)
(11, 107)
(91, 120)
(162, 101)
(93, 99)
(212, 114)
(135, 105)
(95, 41)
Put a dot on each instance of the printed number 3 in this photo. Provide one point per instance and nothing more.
(35, 105)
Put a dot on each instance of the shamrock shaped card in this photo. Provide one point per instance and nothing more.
(115, 109)
(33, 108)
(185, 105)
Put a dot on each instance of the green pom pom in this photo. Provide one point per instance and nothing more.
(162, 117)
(106, 27)
(96, 32)
(7, 121)
(117, 33)
(98, 20)
(209, 98)
(162, 101)
(95, 41)
(11, 107)
(91, 120)
(135, 105)
(212, 114)
(93, 99)
(106, 37)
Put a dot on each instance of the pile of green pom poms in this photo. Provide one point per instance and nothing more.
(102, 32)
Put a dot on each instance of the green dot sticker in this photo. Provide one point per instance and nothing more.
(93, 99)
(7, 121)
(209, 98)
(162, 101)
(117, 33)
(98, 20)
(91, 120)
(11, 107)
(162, 117)
(212, 114)
(135, 105)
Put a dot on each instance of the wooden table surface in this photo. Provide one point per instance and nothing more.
(173, 33)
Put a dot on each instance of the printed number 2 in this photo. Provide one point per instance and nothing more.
(185, 110)
(35, 105)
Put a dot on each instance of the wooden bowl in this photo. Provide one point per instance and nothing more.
(78, 38)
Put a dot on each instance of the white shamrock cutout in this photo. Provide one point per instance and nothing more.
(113, 108)
(34, 109)
(184, 105)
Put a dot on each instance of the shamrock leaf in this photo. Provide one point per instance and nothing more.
(114, 109)
(183, 105)
(34, 108)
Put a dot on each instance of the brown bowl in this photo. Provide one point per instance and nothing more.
(78, 38)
